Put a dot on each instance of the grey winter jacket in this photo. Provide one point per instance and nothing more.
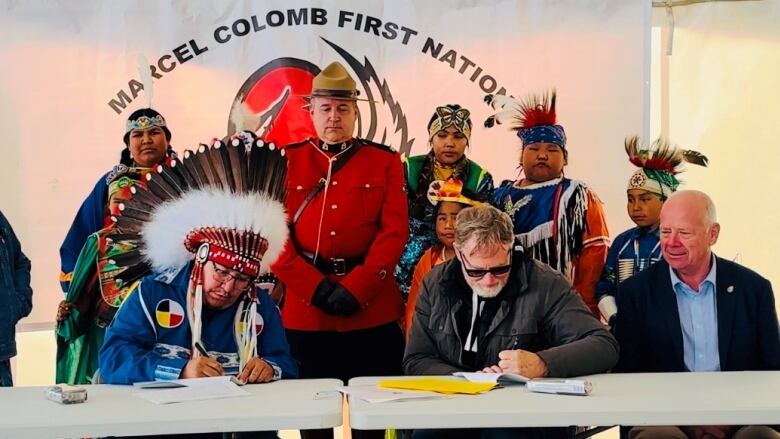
(539, 312)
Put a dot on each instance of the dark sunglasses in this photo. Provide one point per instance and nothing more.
(478, 273)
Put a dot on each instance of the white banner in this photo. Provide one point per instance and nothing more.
(69, 79)
(723, 100)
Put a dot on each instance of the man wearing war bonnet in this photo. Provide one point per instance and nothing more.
(210, 225)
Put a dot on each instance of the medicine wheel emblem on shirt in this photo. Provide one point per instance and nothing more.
(259, 324)
(169, 314)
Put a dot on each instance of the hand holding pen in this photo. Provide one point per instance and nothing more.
(510, 347)
(202, 366)
(521, 362)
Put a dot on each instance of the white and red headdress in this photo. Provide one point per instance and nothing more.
(222, 203)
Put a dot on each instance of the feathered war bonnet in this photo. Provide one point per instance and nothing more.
(222, 203)
(533, 119)
(659, 165)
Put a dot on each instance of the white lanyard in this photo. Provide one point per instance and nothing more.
(476, 310)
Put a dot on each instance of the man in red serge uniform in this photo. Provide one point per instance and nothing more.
(349, 224)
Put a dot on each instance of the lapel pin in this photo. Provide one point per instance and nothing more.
(730, 289)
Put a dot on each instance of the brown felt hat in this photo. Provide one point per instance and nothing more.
(334, 82)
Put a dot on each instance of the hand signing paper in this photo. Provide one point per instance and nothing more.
(521, 362)
(202, 367)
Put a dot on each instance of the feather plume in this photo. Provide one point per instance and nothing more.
(131, 257)
(661, 156)
(126, 223)
(534, 110)
(145, 72)
(695, 157)
(132, 273)
(217, 161)
(507, 109)
(267, 168)
(204, 159)
(174, 175)
(159, 187)
(538, 110)
(236, 156)
(135, 213)
(185, 179)
(183, 196)
(165, 234)
(121, 236)
(243, 118)
(192, 165)
(142, 198)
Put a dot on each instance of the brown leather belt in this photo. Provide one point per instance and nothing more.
(337, 266)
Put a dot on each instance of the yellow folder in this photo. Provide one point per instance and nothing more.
(439, 385)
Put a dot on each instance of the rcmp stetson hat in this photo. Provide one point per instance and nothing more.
(335, 82)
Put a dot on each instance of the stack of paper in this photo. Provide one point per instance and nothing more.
(194, 389)
(504, 379)
(186, 382)
(373, 395)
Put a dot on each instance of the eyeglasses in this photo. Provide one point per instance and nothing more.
(224, 276)
(478, 273)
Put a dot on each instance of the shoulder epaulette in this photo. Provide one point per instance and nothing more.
(378, 145)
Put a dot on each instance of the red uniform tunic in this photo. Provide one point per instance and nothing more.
(361, 213)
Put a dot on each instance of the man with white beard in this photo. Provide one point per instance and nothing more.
(494, 309)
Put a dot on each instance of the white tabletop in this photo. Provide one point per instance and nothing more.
(727, 398)
(112, 410)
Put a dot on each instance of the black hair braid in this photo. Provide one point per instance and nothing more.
(125, 158)
(461, 169)
(420, 199)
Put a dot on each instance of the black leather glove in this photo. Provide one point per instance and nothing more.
(321, 295)
(342, 302)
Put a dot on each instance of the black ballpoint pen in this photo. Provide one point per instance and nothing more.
(201, 349)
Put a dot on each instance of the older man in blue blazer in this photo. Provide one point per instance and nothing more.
(695, 312)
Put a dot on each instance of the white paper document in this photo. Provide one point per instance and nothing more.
(195, 389)
(186, 382)
(498, 378)
(372, 394)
